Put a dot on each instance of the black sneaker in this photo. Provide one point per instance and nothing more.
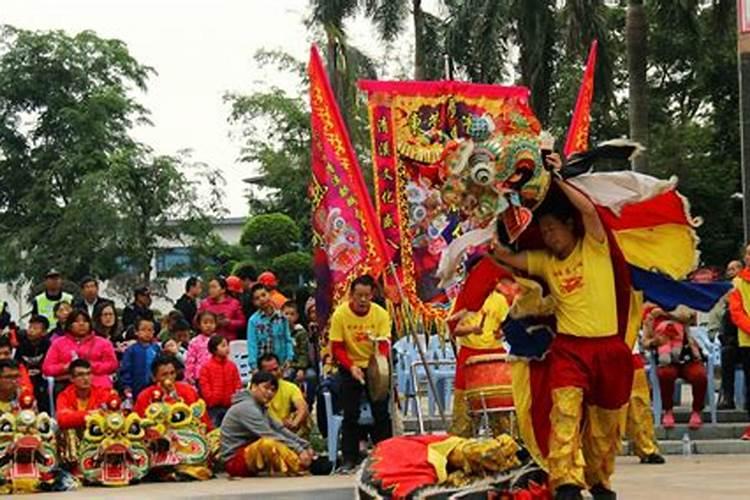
(599, 492)
(725, 404)
(654, 458)
(347, 467)
(568, 492)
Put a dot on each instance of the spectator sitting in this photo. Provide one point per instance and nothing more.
(11, 388)
(188, 303)
(229, 318)
(32, 347)
(80, 341)
(140, 308)
(303, 372)
(219, 379)
(197, 353)
(6, 352)
(135, 370)
(107, 325)
(268, 279)
(169, 323)
(166, 387)
(688, 366)
(90, 298)
(288, 406)
(247, 432)
(268, 330)
(173, 348)
(80, 397)
(44, 303)
(62, 311)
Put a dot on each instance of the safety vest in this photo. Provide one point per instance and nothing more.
(46, 307)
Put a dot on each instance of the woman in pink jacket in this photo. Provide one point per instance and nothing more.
(230, 321)
(80, 341)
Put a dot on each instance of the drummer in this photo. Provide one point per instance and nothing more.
(354, 325)
(478, 333)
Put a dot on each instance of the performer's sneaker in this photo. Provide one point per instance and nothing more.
(746, 435)
(599, 492)
(568, 492)
(653, 458)
(348, 467)
(667, 420)
(695, 421)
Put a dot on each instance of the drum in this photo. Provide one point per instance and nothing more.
(488, 378)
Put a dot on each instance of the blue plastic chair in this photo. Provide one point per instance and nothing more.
(335, 422)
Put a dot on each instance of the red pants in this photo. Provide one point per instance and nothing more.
(601, 366)
(236, 466)
(465, 353)
(693, 373)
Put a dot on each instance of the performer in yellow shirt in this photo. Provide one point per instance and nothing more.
(354, 325)
(477, 333)
(591, 366)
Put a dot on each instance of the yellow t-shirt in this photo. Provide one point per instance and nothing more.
(281, 405)
(583, 286)
(494, 310)
(355, 331)
(743, 337)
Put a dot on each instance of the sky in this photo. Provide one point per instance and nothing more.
(200, 49)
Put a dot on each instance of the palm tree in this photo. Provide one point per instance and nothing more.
(636, 35)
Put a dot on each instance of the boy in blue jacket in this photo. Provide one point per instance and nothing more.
(135, 368)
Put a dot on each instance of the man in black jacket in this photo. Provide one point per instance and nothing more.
(188, 303)
(90, 298)
(140, 308)
(729, 348)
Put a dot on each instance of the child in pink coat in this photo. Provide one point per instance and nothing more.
(197, 354)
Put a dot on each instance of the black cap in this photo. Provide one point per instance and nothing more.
(52, 273)
(142, 290)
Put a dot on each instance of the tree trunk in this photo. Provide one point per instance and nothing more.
(419, 70)
(636, 32)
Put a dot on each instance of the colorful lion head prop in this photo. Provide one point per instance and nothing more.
(113, 449)
(178, 442)
(28, 455)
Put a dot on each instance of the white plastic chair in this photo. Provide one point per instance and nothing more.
(238, 354)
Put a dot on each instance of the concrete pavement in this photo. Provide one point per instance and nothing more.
(698, 477)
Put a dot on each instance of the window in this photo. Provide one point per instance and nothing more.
(175, 261)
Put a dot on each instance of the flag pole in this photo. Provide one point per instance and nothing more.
(422, 356)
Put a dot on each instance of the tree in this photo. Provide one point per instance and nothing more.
(77, 192)
(637, 39)
(293, 268)
(270, 235)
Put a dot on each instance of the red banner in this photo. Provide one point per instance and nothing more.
(347, 239)
(578, 133)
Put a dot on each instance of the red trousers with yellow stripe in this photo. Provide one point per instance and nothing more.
(591, 380)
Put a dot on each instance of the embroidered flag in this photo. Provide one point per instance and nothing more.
(347, 239)
(578, 132)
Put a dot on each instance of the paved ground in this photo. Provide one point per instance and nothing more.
(700, 477)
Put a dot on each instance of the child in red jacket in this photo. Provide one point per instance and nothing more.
(219, 379)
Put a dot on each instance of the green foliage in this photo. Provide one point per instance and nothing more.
(269, 235)
(291, 267)
(77, 192)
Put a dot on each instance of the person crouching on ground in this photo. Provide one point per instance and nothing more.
(219, 379)
(288, 406)
(253, 444)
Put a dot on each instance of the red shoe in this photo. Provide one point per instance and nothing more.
(746, 435)
(667, 421)
(695, 421)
